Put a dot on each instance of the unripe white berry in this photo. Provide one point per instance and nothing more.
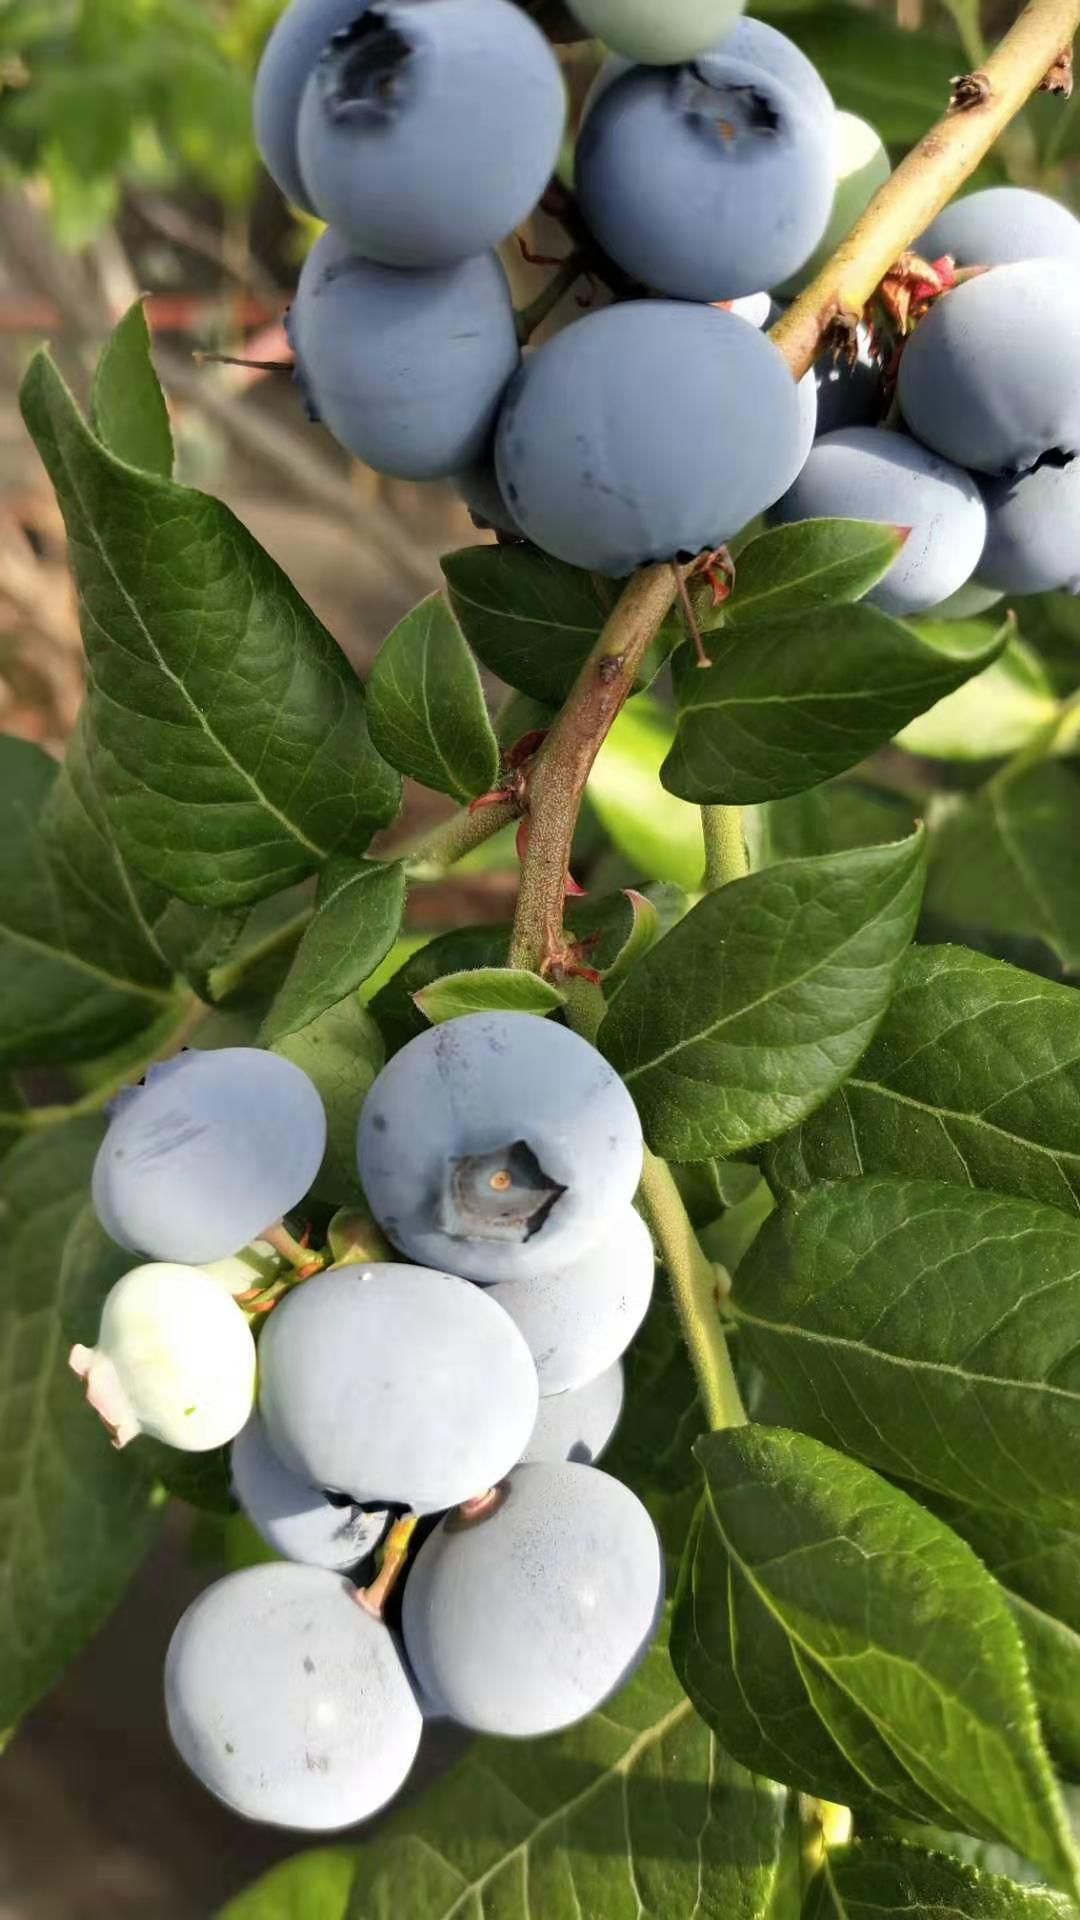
(174, 1359)
(254, 1266)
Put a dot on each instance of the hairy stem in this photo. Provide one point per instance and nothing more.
(557, 784)
(726, 857)
(432, 854)
(694, 1284)
(928, 178)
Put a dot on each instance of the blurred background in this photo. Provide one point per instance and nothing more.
(127, 168)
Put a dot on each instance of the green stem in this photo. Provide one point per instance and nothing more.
(190, 1014)
(223, 980)
(431, 855)
(726, 857)
(695, 1286)
(534, 315)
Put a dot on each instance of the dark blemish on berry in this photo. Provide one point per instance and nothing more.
(309, 1664)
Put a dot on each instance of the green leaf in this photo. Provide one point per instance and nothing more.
(1005, 860)
(832, 818)
(898, 81)
(79, 968)
(658, 834)
(229, 742)
(758, 1004)
(1038, 1568)
(931, 1330)
(487, 990)
(1001, 710)
(793, 698)
(127, 406)
(426, 705)
(839, 1637)
(662, 1415)
(1050, 622)
(637, 1810)
(974, 1077)
(884, 1880)
(647, 928)
(533, 620)
(341, 1051)
(77, 1517)
(357, 917)
(815, 563)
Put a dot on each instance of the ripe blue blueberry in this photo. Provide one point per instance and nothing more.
(396, 1384)
(428, 133)
(497, 1143)
(528, 1618)
(708, 181)
(648, 430)
(760, 46)
(480, 490)
(212, 1149)
(1000, 225)
(660, 35)
(851, 391)
(579, 1425)
(406, 370)
(287, 64)
(867, 473)
(581, 1317)
(991, 376)
(289, 1701)
(860, 166)
(1033, 532)
(295, 1519)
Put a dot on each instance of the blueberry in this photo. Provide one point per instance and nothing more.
(861, 166)
(288, 61)
(428, 133)
(496, 1143)
(295, 1519)
(395, 1384)
(406, 370)
(706, 182)
(868, 473)
(527, 1619)
(648, 430)
(581, 1424)
(851, 389)
(289, 1701)
(760, 46)
(1001, 225)
(478, 486)
(215, 1147)
(1033, 531)
(659, 32)
(991, 376)
(581, 1317)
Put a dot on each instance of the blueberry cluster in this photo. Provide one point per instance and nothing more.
(467, 1394)
(712, 176)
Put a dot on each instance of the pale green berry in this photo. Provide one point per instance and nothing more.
(254, 1266)
(174, 1359)
(658, 32)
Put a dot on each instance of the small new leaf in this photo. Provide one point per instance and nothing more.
(229, 742)
(757, 1005)
(487, 990)
(931, 1330)
(356, 921)
(426, 705)
(792, 699)
(815, 563)
(840, 1638)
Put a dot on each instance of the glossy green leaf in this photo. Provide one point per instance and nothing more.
(757, 1005)
(76, 1516)
(898, 81)
(357, 916)
(533, 620)
(1001, 710)
(1005, 860)
(229, 743)
(79, 967)
(973, 1076)
(885, 1880)
(659, 834)
(1038, 1568)
(426, 705)
(812, 564)
(635, 1811)
(662, 1416)
(487, 990)
(833, 818)
(931, 1330)
(792, 699)
(341, 1051)
(837, 1635)
(127, 405)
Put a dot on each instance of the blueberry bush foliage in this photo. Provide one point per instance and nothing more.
(855, 1061)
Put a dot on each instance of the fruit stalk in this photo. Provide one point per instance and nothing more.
(694, 1284)
(927, 179)
(726, 857)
